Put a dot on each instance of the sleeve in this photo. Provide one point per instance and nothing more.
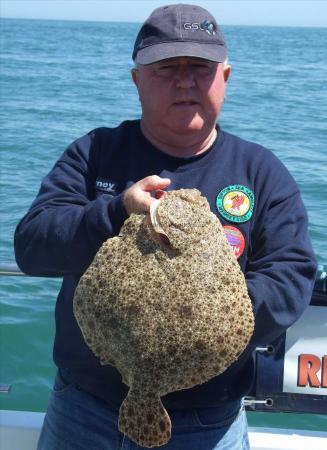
(66, 225)
(281, 269)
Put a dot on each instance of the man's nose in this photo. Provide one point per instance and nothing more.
(184, 77)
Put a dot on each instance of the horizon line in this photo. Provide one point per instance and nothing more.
(136, 22)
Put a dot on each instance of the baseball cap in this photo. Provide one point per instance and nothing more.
(179, 30)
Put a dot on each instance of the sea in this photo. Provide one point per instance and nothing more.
(60, 79)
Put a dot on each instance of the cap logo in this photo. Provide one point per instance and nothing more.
(207, 26)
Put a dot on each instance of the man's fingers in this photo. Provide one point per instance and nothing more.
(137, 198)
(159, 193)
(153, 183)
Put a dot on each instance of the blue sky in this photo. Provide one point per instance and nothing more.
(311, 13)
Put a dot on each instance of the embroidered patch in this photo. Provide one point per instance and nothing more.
(235, 239)
(107, 186)
(235, 203)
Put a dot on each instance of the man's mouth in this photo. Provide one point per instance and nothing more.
(186, 103)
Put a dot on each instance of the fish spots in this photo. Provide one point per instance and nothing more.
(150, 418)
(185, 312)
(225, 280)
(200, 345)
(172, 349)
(133, 310)
(162, 426)
(113, 323)
(90, 324)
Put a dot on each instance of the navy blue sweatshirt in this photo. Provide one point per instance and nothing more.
(79, 206)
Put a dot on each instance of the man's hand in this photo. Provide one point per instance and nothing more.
(137, 198)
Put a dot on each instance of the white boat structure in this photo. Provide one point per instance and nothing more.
(291, 376)
(20, 431)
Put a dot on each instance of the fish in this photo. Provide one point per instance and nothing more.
(166, 303)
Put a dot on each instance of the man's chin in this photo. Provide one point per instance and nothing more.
(187, 127)
(188, 131)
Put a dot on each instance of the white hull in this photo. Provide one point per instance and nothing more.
(19, 430)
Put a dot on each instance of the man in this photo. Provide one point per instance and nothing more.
(181, 74)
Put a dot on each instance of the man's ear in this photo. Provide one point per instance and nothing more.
(134, 74)
(227, 71)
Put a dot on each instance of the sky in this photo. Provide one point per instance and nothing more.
(307, 13)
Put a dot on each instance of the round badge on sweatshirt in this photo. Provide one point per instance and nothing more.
(236, 239)
(235, 203)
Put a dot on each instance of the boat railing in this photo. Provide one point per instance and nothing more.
(10, 269)
(253, 401)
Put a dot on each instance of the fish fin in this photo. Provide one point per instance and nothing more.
(144, 420)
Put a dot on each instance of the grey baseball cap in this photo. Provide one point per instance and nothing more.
(179, 30)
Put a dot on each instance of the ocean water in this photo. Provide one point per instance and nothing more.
(60, 79)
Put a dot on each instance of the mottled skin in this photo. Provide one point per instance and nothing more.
(167, 313)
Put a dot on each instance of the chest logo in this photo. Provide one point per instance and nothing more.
(235, 239)
(235, 203)
(107, 186)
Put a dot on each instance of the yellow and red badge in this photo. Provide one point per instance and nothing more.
(235, 239)
(235, 203)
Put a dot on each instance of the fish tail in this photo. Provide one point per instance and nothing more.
(144, 420)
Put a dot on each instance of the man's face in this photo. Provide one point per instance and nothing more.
(181, 96)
